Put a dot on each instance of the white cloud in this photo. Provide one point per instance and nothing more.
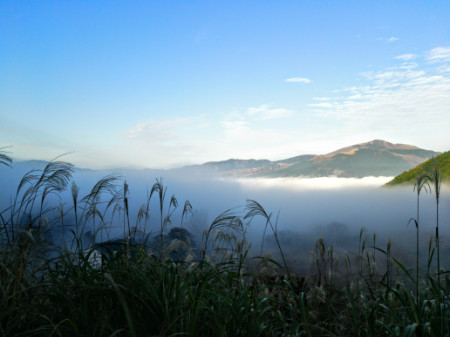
(388, 39)
(406, 57)
(245, 140)
(402, 103)
(439, 54)
(234, 125)
(265, 111)
(390, 77)
(322, 105)
(408, 65)
(155, 131)
(166, 143)
(298, 80)
(444, 69)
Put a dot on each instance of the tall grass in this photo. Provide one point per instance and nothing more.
(421, 183)
(5, 159)
(435, 175)
(139, 288)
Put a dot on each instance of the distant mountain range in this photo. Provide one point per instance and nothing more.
(409, 177)
(374, 158)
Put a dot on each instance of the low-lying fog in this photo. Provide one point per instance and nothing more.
(334, 208)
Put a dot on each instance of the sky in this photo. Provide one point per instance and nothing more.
(162, 84)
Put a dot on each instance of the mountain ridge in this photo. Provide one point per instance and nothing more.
(373, 158)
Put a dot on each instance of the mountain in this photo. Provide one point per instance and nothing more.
(409, 177)
(252, 167)
(374, 158)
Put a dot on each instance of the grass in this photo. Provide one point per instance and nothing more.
(409, 177)
(140, 288)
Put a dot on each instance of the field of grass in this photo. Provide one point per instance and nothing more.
(165, 285)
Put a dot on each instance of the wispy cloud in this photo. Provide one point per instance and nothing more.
(398, 101)
(444, 69)
(155, 131)
(389, 39)
(235, 125)
(322, 105)
(392, 39)
(392, 96)
(298, 80)
(406, 57)
(166, 143)
(241, 139)
(439, 54)
(265, 111)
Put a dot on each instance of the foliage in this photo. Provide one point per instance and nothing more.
(409, 177)
(142, 287)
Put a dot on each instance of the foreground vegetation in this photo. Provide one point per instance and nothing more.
(158, 282)
(409, 177)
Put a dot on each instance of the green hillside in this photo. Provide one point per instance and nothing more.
(409, 177)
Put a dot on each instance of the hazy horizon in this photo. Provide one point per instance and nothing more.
(67, 156)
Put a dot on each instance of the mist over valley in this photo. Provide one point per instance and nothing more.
(304, 209)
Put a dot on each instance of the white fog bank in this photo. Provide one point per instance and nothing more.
(321, 183)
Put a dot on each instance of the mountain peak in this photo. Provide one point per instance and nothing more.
(376, 144)
(374, 158)
(380, 144)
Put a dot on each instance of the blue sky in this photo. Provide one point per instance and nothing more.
(163, 84)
